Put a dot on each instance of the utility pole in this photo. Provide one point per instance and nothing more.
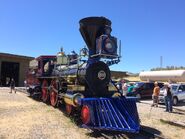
(161, 62)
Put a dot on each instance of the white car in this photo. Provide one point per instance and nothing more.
(178, 92)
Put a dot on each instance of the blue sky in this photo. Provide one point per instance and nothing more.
(148, 29)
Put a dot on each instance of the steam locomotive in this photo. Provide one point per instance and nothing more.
(82, 82)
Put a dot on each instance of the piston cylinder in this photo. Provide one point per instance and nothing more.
(72, 99)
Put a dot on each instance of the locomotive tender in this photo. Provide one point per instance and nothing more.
(84, 85)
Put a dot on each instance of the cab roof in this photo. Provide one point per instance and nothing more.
(45, 57)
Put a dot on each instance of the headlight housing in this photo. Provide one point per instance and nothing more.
(110, 46)
(106, 46)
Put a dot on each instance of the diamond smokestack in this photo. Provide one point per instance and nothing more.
(91, 28)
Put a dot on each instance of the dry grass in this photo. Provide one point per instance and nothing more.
(22, 117)
(151, 117)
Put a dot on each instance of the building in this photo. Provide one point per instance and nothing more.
(13, 66)
(118, 74)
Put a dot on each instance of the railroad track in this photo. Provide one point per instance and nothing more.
(143, 134)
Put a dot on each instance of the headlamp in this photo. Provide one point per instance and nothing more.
(110, 46)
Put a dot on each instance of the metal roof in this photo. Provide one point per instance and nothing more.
(16, 56)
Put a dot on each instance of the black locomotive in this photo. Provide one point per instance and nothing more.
(83, 82)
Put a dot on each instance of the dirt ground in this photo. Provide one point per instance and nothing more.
(23, 117)
(156, 117)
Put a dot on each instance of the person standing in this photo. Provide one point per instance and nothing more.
(130, 88)
(12, 85)
(155, 95)
(168, 98)
(124, 89)
(25, 84)
(119, 86)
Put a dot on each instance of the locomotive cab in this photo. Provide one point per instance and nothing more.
(45, 65)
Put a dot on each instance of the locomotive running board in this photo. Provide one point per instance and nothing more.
(118, 114)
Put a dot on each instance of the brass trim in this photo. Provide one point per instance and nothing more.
(76, 87)
(112, 88)
(71, 76)
(116, 94)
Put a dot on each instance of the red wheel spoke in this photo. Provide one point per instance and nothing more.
(54, 93)
(45, 90)
(69, 109)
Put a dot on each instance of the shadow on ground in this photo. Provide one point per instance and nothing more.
(180, 104)
(145, 133)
